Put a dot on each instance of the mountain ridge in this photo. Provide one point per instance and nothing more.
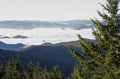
(17, 46)
(46, 56)
(27, 24)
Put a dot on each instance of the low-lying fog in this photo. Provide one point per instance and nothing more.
(41, 35)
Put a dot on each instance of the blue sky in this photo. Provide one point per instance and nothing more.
(50, 10)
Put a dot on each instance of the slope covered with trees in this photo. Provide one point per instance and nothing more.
(14, 70)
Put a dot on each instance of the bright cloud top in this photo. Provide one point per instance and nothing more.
(41, 35)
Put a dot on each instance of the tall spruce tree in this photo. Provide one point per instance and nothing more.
(103, 57)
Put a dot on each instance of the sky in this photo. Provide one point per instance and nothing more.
(49, 10)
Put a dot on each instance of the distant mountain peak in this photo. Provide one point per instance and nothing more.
(75, 24)
(20, 36)
(47, 44)
(11, 46)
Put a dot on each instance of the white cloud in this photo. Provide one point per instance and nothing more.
(40, 35)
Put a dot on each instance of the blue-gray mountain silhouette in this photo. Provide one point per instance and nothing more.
(46, 56)
(11, 46)
(20, 36)
(75, 24)
(4, 37)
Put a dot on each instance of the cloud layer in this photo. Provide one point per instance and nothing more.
(41, 35)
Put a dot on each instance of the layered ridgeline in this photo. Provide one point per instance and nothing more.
(47, 55)
(75, 24)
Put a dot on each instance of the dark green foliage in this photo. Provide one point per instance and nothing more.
(76, 73)
(2, 71)
(13, 70)
(104, 56)
(55, 74)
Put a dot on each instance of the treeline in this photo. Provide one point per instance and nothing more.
(14, 70)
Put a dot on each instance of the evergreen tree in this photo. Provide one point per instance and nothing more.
(56, 74)
(104, 55)
(2, 72)
(76, 73)
(35, 72)
(13, 70)
(30, 71)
